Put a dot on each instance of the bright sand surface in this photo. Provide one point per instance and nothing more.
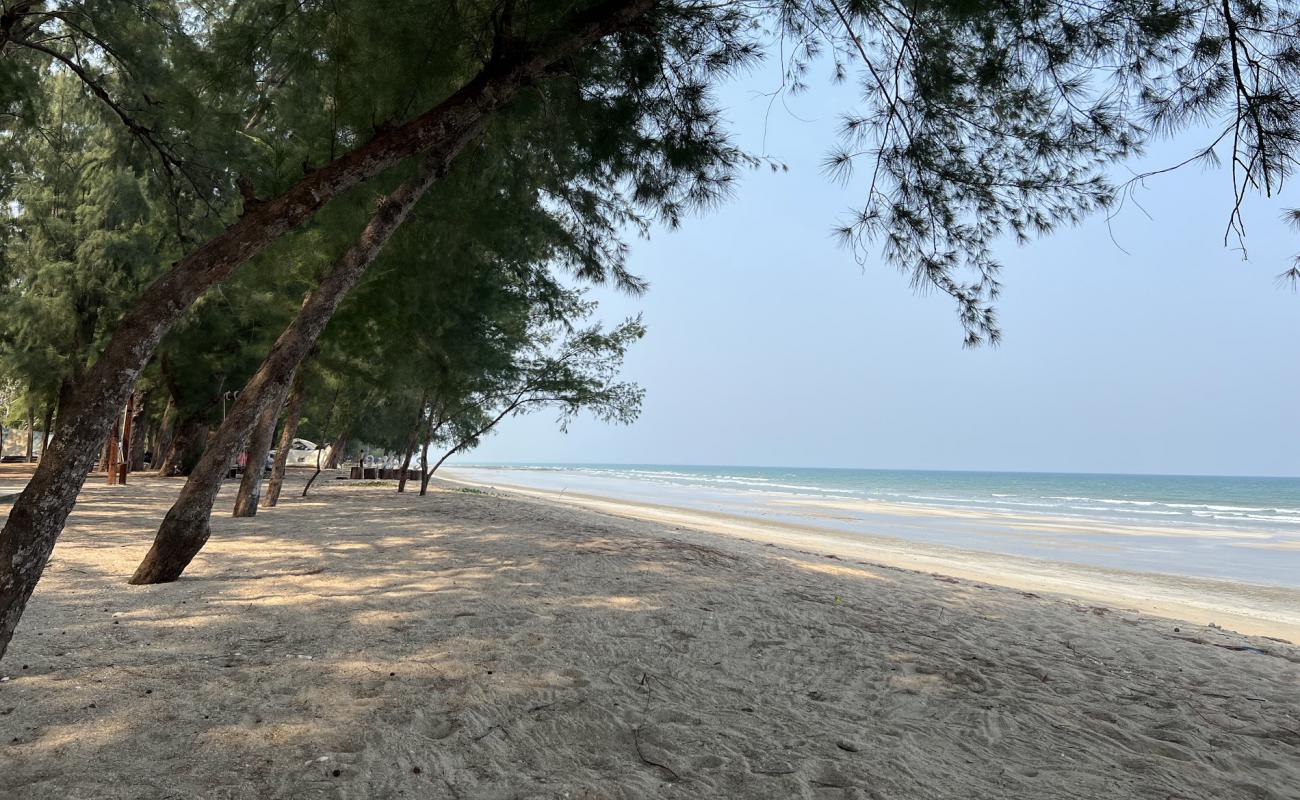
(1257, 609)
(362, 644)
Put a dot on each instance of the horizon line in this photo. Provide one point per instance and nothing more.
(874, 469)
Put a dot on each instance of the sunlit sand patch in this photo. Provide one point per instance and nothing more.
(834, 569)
(385, 617)
(344, 547)
(613, 602)
(963, 597)
(99, 731)
(183, 619)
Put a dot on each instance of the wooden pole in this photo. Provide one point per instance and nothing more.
(126, 436)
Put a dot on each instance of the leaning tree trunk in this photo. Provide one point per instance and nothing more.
(38, 515)
(406, 468)
(424, 467)
(507, 411)
(162, 444)
(63, 403)
(292, 413)
(445, 456)
(329, 416)
(314, 475)
(250, 485)
(185, 449)
(185, 529)
(410, 444)
(337, 447)
(139, 431)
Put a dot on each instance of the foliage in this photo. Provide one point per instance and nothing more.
(984, 118)
(83, 235)
(570, 370)
(132, 131)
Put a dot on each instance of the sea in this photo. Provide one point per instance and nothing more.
(1244, 529)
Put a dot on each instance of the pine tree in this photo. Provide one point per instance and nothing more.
(441, 131)
(597, 159)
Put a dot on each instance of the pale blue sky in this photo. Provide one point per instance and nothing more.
(768, 344)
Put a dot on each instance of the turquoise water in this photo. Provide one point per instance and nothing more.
(1225, 527)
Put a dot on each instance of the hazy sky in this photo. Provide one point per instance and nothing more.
(769, 345)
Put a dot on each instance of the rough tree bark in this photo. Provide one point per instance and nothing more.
(292, 414)
(185, 529)
(38, 515)
(250, 484)
(162, 444)
(63, 402)
(31, 433)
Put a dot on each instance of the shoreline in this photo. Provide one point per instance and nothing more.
(1252, 609)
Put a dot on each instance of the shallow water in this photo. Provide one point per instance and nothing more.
(1245, 529)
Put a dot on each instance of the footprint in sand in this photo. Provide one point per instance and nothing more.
(434, 724)
(439, 727)
(707, 762)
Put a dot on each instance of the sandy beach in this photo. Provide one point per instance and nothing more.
(471, 644)
(1251, 608)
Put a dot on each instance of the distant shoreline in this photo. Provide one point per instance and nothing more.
(1248, 608)
(1044, 472)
